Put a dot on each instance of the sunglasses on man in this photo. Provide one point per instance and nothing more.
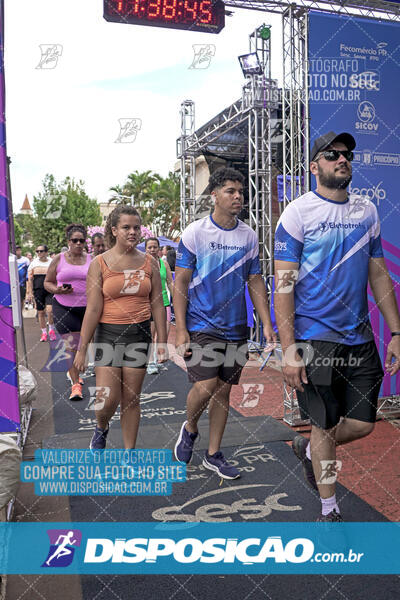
(77, 240)
(332, 155)
(39, 251)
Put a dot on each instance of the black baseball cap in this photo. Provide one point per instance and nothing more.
(328, 138)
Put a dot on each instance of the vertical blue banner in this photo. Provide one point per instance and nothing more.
(354, 86)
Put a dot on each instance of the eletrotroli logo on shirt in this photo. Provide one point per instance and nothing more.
(325, 225)
(217, 246)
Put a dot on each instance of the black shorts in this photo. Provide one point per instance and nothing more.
(67, 319)
(120, 345)
(215, 357)
(42, 298)
(343, 381)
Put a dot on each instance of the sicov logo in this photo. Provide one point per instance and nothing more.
(62, 547)
(366, 113)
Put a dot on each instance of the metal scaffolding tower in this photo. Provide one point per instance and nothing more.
(254, 108)
(376, 9)
(295, 127)
(187, 167)
(295, 111)
(259, 98)
(258, 95)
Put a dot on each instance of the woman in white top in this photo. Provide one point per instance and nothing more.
(37, 271)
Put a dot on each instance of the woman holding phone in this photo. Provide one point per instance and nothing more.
(66, 279)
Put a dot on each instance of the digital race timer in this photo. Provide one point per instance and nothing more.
(193, 15)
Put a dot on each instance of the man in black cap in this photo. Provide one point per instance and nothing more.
(327, 249)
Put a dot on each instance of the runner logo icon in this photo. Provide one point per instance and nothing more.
(62, 547)
(366, 111)
(323, 226)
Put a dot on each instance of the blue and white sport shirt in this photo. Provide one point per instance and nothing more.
(222, 260)
(332, 242)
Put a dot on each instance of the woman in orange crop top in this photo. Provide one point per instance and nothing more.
(123, 290)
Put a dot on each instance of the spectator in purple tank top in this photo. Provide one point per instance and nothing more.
(66, 279)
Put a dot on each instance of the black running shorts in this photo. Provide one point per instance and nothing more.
(67, 319)
(343, 381)
(119, 345)
(215, 357)
(42, 298)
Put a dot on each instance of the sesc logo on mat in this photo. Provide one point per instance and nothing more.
(62, 547)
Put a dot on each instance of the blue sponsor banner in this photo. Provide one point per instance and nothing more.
(354, 79)
(200, 548)
(64, 472)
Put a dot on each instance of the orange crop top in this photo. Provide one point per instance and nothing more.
(126, 293)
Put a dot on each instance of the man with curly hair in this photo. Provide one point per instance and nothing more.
(217, 256)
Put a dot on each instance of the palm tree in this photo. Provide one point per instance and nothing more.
(140, 185)
(156, 197)
(166, 208)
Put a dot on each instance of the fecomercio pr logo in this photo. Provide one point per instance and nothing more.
(62, 547)
(377, 52)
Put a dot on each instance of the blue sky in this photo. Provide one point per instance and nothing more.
(65, 120)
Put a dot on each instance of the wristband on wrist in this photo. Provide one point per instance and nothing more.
(395, 333)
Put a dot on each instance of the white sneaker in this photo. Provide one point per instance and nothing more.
(152, 369)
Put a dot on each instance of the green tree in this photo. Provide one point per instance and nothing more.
(58, 205)
(166, 206)
(23, 227)
(139, 185)
(157, 199)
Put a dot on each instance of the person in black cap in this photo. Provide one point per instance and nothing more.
(327, 249)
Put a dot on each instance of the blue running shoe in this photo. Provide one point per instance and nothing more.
(184, 446)
(218, 463)
(99, 439)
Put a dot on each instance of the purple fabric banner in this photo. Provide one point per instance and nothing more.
(9, 404)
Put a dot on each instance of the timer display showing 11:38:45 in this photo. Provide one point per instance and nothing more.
(193, 15)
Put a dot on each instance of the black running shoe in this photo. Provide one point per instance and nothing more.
(332, 517)
(299, 448)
